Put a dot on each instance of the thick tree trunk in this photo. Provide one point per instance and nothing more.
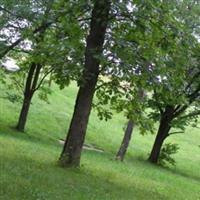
(31, 82)
(71, 153)
(162, 134)
(125, 142)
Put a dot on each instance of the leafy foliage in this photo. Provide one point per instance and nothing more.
(151, 46)
(166, 153)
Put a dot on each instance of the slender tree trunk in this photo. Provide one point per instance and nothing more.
(33, 76)
(50, 80)
(31, 82)
(125, 142)
(162, 134)
(71, 153)
(24, 113)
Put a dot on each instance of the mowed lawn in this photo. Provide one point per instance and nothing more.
(28, 161)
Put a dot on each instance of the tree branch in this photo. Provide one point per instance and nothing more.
(41, 28)
(197, 75)
(192, 114)
(176, 132)
(180, 110)
(10, 13)
(156, 98)
(42, 79)
(36, 76)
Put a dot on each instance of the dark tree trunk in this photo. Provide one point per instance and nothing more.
(125, 142)
(71, 153)
(24, 113)
(33, 75)
(31, 82)
(162, 134)
(160, 137)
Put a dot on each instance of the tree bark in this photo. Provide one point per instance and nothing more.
(71, 153)
(125, 142)
(24, 113)
(162, 134)
(33, 74)
(31, 82)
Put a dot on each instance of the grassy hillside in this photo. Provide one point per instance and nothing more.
(28, 161)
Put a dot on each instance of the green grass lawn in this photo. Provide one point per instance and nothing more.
(28, 161)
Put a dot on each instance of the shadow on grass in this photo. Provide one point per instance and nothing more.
(47, 178)
(185, 175)
(9, 131)
(173, 170)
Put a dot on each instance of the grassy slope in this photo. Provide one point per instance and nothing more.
(28, 168)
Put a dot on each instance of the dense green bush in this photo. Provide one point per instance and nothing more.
(167, 150)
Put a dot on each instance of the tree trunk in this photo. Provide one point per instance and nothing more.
(162, 134)
(71, 153)
(50, 80)
(125, 142)
(31, 82)
(24, 113)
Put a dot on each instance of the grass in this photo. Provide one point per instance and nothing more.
(28, 161)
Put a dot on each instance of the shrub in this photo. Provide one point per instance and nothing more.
(165, 154)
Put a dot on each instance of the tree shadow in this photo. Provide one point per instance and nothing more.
(12, 132)
(171, 169)
(44, 175)
(183, 174)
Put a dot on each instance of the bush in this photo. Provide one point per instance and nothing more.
(165, 154)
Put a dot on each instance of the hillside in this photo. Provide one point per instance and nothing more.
(28, 161)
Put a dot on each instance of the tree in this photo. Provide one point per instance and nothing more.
(176, 98)
(48, 54)
(36, 65)
(132, 121)
(23, 31)
(164, 54)
(125, 142)
(71, 153)
(137, 46)
(177, 114)
(33, 83)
